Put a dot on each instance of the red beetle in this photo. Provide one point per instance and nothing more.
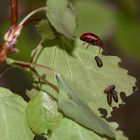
(92, 39)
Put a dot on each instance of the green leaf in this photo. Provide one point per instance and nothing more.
(94, 16)
(61, 17)
(62, 42)
(73, 106)
(91, 80)
(45, 30)
(13, 123)
(42, 114)
(82, 68)
(69, 130)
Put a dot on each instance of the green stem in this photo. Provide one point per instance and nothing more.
(31, 14)
(36, 52)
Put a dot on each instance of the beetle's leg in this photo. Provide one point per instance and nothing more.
(100, 50)
(83, 43)
(87, 46)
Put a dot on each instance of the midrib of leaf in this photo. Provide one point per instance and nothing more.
(53, 66)
(66, 60)
(68, 66)
(84, 68)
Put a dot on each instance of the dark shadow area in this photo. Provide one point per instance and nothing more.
(103, 112)
(17, 80)
(39, 137)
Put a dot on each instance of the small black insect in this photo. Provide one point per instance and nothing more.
(109, 98)
(115, 97)
(111, 93)
(98, 61)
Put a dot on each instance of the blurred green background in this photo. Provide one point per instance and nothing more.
(117, 22)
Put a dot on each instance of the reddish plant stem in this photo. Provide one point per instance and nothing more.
(14, 12)
(28, 64)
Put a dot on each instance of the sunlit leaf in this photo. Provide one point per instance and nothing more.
(69, 130)
(81, 68)
(13, 121)
(42, 114)
(73, 106)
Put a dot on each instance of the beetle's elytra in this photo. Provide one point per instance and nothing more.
(92, 39)
(111, 93)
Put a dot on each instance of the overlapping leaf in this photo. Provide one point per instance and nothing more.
(13, 122)
(61, 17)
(45, 30)
(42, 113)
(71, 103)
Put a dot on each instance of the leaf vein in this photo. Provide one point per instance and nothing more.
(68, 66)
